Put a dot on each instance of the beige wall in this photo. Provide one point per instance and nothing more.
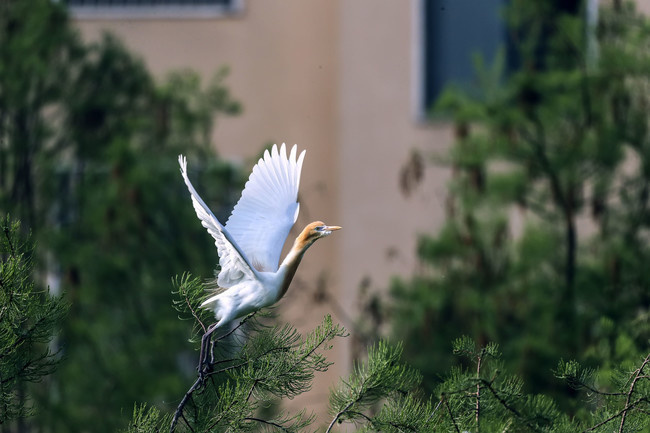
(378, 131)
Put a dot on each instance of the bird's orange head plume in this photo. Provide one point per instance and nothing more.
(312, 232)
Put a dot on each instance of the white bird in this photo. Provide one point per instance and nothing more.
(250, 243)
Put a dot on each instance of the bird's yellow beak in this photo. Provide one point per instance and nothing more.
(333, 228)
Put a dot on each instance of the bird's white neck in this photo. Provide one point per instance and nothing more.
(289, 265)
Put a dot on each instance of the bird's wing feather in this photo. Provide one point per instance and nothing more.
(268, 208)
(235, 266)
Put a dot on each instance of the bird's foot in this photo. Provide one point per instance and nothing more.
(206, 355)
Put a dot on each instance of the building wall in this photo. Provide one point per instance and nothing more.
(379, 130)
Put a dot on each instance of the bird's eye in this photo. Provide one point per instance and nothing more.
(320, 228)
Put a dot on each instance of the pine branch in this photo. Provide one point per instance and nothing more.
(433, 412)
(27, 322)
(340, 414)
(194, 314)
(200, 381)
(507, 406)
(222, 415)
(478, 393)
(578, 377)
(637, 376)
(619, 413)
(271, 423)
(179, 410)
(271, 361)
(451, 414)
(383, 375)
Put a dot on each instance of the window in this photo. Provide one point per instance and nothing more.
(153, 8)
(451, 32)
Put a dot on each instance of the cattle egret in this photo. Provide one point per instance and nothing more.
(250, 243)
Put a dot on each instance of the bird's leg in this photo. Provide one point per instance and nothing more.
(212, 344)
(206, 340)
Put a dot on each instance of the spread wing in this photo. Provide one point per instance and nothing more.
(268, 208)
(235, 267)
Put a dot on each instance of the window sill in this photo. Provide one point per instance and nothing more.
(149, 12)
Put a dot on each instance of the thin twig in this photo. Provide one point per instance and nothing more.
(194, 314)
(250, 392)
(223, 412)
(478, 393)
(434, 412)
(637, 376)
(599, 392)
(242, 364)
(371, 421)
(338, 415)
(181, 405)
(271, 423)
(488, 385)
(451, 414)
(187, 423)
(244, 320)
(11, 245)
(616, 415)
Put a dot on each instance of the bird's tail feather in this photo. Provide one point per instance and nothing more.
(212, 302)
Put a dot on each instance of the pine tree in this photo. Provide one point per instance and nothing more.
(29, 319)
(250, 367)
(254, 365)
(117, 264)
(620, 403)
(88, 144)
(561, 142)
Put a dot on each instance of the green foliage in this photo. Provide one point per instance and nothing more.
(483, 397)
(29, 318)
(187, 299)
(39, 54)
(545, 244)
(620, 402)
(133, 207)
(88, 150)
(383, 393)
(148, 419)
(382, 378)
(250, 367)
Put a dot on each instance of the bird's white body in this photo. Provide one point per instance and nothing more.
(244, 298)
(250, 243)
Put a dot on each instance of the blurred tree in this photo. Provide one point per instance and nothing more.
(544, 248)
(29, 319)
(88, 152)
(39, 54)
